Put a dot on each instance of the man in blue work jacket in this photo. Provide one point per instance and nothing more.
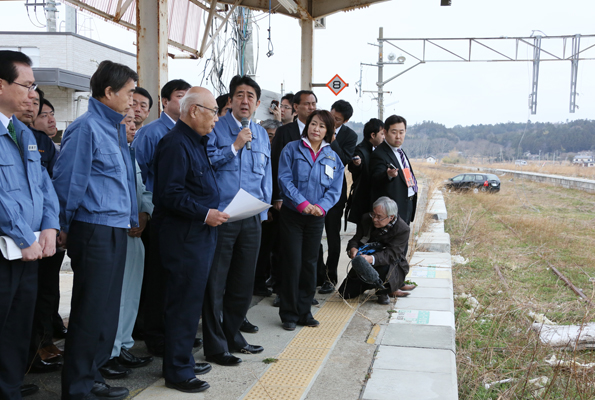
(236, 166)
(150, 314)
(28, 204)
(94, 180)
(186, 199)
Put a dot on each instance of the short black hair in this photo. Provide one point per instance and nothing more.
(372, 126)
(110, 74)
(8, 61)
(288, 97)
(172, 86)
(344, 108)
(297, 98)
(394, 119)
(243, 80)
(41, 98)
(46, 102)
(145, 93)
(222, 101)
(327, 120)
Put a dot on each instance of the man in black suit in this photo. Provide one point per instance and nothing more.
(360, 198)
(343, 144)
(304, 104)
(391, 172)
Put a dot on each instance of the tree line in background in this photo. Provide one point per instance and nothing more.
(500, 142)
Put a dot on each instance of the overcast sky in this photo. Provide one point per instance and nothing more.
(447, 93)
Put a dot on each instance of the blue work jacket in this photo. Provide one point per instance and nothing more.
(185, 185)
(145, 143)
(28, 202)
(301, 179)
(249, 169)
(47, 150)
(94, 176)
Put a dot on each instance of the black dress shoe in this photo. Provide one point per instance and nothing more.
(29, 389)
(192, 385)
(315, 302)
(129, 360)
(156, 348)
(266, 292)
(311, 322)
(114, 370)
(38, 366)
(277, 301)
(383, 299)
(271, 281)
(225, 359)
(289, 326)
(105, 391)
(247, 327)
(251, 349)
(202, 368)
(326, 288)
(197, 343)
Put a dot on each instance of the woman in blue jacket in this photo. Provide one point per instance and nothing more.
(310, 181)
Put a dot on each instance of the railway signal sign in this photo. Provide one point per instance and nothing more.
(336, 85)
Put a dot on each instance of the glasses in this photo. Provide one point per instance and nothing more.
(377, 217)
(29, 88)
(214, 111)
(286, 107)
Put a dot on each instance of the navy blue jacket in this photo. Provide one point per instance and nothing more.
(185, 184)
(47, 150)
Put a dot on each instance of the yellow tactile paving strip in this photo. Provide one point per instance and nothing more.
(291, 376)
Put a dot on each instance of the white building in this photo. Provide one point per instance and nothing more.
(63, 63)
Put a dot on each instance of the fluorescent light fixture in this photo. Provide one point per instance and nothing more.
(289, 5)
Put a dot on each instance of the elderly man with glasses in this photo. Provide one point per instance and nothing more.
(381, 240)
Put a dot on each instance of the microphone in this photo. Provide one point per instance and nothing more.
(366, 272)
(245, 123)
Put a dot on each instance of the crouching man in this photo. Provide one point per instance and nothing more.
(381, 239)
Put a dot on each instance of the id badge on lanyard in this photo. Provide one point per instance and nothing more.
(408, 177)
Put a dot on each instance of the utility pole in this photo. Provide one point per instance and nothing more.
(51, 11)
(380, 74)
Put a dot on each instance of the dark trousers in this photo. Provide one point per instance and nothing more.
(229, 289)
(98, 256)
(267, 256)
(301, 239)
(48, 301)
(352, 286)
(18, 289)
(187, 248)
(332, 225)
(150, 323)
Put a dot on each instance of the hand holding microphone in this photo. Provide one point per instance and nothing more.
(245, 124)
(244, 137)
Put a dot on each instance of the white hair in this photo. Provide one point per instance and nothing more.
(388, 204)
(189, 99)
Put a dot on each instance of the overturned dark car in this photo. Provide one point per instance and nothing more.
(475, 182)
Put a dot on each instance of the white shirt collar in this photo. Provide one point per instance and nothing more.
(172, 120)
(323, 144)
(5, 120)
(238, 122)
(301, 125)
(337, 130)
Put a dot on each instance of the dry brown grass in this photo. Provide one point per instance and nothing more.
(564, 168)
(519, 232)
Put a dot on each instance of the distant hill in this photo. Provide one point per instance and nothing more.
(431, 138)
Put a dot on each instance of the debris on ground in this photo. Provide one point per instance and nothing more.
(569, 364)
(470, 301)
(566, 337)
(540, 318)
(538, 384)
(459, 260)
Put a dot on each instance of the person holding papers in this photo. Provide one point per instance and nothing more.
(28, 204)
(310, 183)
(240, 152)
(186, 198)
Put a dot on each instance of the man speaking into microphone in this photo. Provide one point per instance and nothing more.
(239, 151)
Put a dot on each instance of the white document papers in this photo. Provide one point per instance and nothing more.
(9, 248)
(244, 205)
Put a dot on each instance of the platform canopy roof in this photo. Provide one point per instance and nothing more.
(185, 17)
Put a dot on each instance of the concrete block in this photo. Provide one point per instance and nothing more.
(431, 259)
(429, 273)
(431, 293)
(428, 304)
(419, 336)
(434, 242)
(436, 227)
(419, 360)
(423, 317)
(432, 282)
(406, 385)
